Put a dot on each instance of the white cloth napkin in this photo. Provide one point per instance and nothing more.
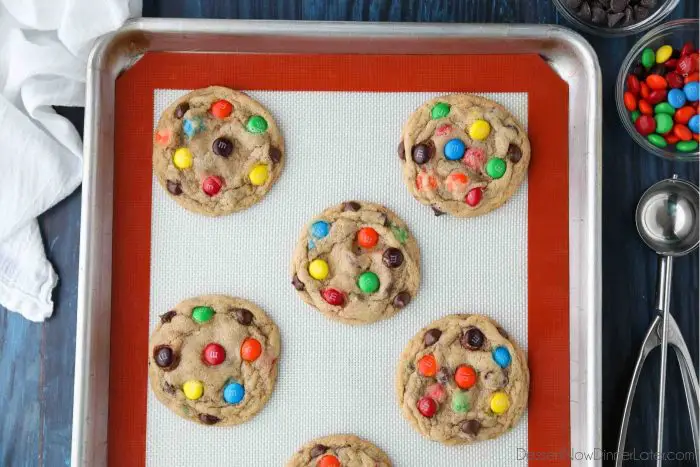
(44, 45)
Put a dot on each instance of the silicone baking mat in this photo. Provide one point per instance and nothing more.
(340, 145)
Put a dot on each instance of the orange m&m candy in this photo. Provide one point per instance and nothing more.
(684, 114)
(645, 107)
(367, 237)
(250, 349)
(465, 376)
(427, 366)
(328, 461)
(221, 109)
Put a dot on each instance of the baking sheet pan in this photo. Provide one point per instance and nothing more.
(566, 53)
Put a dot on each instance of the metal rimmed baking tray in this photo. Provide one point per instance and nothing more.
(566, 52)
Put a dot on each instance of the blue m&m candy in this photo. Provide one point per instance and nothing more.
(320, 229)
(694, 124)
(676, 98)
(234, 393)
(691, 91)
(454, 149)
(501, 356)
(192, 126)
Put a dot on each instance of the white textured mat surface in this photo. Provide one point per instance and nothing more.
(335, 378)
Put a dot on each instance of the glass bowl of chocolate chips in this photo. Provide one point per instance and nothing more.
(615, 17)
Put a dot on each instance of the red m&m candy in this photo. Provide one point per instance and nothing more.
(465, 376)
(644, 90)
(687, 49)
(333, 296)
(367, 237)
(645, 124)
(674, 80)
(473, 197)
(212, 185)
(214, 354)
(328, 461)
(426, 406)
(645, 107)
(427, 366)
(221, 109)
(250, 349)
(630, 101)
(657, 96)
(633, 85)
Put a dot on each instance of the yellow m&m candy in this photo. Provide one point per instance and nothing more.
(500, 402)
(479, 130)
(193, 390)
(318, 269)
(258, 174)
(182, 158)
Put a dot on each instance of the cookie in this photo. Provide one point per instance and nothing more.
(463, 155)
(461, 380)
(339, 450)
(356, 263)
(217, 151)
(213, 359)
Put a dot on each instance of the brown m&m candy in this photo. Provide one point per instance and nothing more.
(431, 336)
(222, 147)
(164, 356)
(472, 339)
(422, 153)
(392, 258)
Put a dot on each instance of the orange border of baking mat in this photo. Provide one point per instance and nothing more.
(548, 251)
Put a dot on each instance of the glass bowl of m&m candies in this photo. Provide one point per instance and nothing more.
(657, 91)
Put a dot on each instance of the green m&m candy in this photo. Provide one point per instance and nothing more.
(664, 123)
(202, 314)
(648, 58)
(460, 402)
(687, 146)
(368, 282)
(657, 140)
(634, 115)
(664, 108)
(496, 167)
(440, 110)
(256, 124)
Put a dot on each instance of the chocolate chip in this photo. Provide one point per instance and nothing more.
(598, 15)
(383, 219)
(585, 12)
(472, 339)
(243, 316)
(222, 147)
(401, 300)
(392, 258)
(318, 450)
(181, 109)
(275, 155)
(351, 206)
(628, 19)
(431, 336)
(164, 356)
(402, 151)
(573, 4)
(495, 380)
(502, 332)
(640, 13)
(169, 388)
(649, 4)
(470, 427)
(443, 376)
(617, 6)
(299, 285)
(614, 18)
(422, 152)
(437, 212)
(208, 419)
(167, 317)
(174, 188)
(514, 153)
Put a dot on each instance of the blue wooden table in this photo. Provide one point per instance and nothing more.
(36, 360)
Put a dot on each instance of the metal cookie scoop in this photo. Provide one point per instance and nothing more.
(667, 221)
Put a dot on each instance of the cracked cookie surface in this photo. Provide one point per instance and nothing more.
(339, 450)
(217, 151)
(213, 359)
(461, 380)
(357, 263)
(462, 154)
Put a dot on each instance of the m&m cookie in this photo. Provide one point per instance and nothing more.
(217, 151)
(339, 451)
(356, 263)
(461, 379)
(463, 155)
(213, 359)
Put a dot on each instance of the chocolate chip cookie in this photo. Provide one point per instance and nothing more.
(356, 263)
(463, 155)
(339, 450)
(461, 379)
(213, 359)
(217, 151)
